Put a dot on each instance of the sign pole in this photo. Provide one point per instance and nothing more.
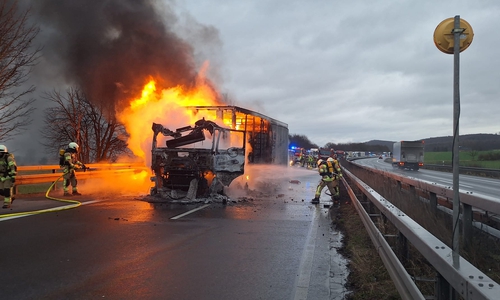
(457, 31)
(453, 36)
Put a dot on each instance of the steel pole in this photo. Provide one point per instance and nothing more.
(456, 115)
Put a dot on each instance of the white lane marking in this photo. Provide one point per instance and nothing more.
(189, 212)
(38, 212)
(13, 217)
(304, 277)
(90, 202)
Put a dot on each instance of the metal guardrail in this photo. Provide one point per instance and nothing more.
(467, 280)
(467, 199)
(404, 284)
(492, 173)
(49, 173)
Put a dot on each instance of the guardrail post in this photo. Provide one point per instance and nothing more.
(443, 290)
(467, 224)
(413, 190)
(433, 201)
(369, 204)
(403, 249)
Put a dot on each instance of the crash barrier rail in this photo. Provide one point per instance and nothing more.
(483, 205)
(50, 173)
(492, 173)
(466, 280)
(484, 172)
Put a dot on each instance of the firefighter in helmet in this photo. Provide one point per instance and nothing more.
(8, 172)
(310, 161)
(327, 179)
(334, 167)
(71, 163)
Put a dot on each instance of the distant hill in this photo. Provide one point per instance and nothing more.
(479, 142)
(388, 144)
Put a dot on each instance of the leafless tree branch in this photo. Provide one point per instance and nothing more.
(17, 58)
(75, 119)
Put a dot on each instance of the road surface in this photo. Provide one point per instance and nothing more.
(269, 243)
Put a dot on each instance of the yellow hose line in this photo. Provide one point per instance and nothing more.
(33, 212)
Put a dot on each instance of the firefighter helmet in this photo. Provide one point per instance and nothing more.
(3, 149)
(320, 161)
(74, 146)
(330, 159)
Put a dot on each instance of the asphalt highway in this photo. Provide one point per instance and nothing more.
(472, 184)
(269, 243)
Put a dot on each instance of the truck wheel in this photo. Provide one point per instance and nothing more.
(153, 191)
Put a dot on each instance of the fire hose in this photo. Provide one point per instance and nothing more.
(34, 212)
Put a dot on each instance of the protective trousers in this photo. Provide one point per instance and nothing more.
(70, 178)
(332, 187)
(6, 191)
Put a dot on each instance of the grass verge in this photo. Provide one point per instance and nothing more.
(368, 278)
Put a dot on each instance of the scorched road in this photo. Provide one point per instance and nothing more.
(273, 246)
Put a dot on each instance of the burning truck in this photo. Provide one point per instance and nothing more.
(200, 161)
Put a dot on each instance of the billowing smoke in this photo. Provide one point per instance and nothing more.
(110, 48)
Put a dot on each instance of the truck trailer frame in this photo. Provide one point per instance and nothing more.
(188, 168)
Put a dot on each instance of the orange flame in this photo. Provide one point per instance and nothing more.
(162, 106)
(166, 108)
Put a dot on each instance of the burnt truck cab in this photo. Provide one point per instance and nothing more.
(182, 172)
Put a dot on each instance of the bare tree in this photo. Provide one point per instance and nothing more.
(104, 135)
(16, 61)
(75, 119)
(473, 154)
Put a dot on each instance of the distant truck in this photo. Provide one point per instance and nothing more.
(408, 155)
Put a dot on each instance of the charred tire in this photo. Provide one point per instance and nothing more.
(153, 191)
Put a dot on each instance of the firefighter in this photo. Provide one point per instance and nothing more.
(8, 172)
(70, 164)
(310, 161)
(334, 168)
(302, 159)
(327, 179)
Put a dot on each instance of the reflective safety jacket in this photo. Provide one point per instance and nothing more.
(8, 167)
(70, 161)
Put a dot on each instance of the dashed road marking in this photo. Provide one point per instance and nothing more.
(189, 212)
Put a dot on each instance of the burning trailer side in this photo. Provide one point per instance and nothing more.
(267, 138)
(187, 172)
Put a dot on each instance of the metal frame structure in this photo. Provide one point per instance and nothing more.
(267, 137)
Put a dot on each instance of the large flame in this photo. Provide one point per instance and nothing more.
(162, 106)
(167, 107)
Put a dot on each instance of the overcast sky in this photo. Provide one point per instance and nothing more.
(343, 71)
(354, 71)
